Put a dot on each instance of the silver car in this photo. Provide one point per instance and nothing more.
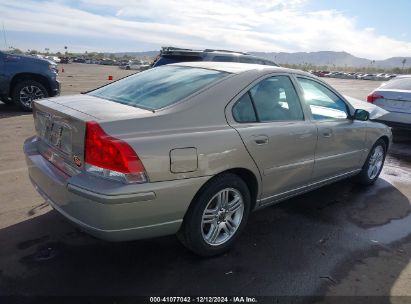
(192, 148)
(395, 97)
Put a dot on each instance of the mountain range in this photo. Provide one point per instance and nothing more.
(328, 58)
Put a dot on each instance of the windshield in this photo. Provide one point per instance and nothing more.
(398, 84)
(158, 87)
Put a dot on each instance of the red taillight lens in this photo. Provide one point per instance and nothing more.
(373, 97)
(106, 152)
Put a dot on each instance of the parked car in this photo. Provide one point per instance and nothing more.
(319, 73)
(107, 62)
(26, 78)
(331, 74)
(390, 76)
(136, 65)
(394, 96)
(368, 77)
(79, 60)
(174, 55)
(65, 60)
(55, 59)
(192, 148)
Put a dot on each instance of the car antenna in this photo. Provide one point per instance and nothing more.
(4, 36)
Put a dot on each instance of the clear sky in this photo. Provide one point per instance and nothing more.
(371, 29)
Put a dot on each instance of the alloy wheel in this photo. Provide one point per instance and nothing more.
(375, 162)
(222, 216)
(30, 93)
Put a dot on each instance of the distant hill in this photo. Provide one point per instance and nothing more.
(137, 54)
(329, 58)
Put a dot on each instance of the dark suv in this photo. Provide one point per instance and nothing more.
(24, 79)
(173, 55)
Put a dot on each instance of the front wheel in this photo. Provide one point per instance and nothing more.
(25, 92)
(374, 163)
(216, 216)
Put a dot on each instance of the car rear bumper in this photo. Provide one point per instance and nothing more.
(110, 210)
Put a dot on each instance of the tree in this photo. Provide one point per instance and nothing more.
(404, 61)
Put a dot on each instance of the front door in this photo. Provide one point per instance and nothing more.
(340, 138)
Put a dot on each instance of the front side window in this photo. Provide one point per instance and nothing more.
(323, 103)
(275, 99)
(159, 87)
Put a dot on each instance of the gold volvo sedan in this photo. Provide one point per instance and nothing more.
(192, 148)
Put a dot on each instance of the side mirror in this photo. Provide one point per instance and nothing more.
(361, 115)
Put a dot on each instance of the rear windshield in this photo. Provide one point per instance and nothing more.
(398, 84)
(158, 87)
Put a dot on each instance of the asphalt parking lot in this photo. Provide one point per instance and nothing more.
(339, 240)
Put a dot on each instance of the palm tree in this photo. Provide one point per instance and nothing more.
(404, 61)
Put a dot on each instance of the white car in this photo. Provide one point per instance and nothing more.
(137, 65)
(394, 96)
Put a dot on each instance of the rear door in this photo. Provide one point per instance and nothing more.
(271, 122)
(341, 140)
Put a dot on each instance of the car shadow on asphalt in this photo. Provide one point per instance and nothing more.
(308, 245)
(11, 110)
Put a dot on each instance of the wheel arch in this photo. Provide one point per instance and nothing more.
(246, 175)
(386, 140)
(29, 76)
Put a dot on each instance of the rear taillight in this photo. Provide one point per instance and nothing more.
(373, 97)
(111, 157)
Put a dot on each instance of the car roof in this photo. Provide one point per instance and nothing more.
(237, 67)
(402, 76)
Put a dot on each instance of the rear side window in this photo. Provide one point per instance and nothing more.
(225, 59)
(245, 59)
(398, 84)
(176, 59)
(270, 63)
(243, 111)
(158, 87)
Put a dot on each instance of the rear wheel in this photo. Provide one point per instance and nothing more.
(26, 91)
(217, 216)
(374, 163)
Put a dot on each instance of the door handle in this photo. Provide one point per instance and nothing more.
(327, 133)
(261, 140)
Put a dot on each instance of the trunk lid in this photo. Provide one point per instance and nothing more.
(60, 125)
(398, 101)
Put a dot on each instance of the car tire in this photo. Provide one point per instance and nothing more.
(211, 226)
(374, 163)
(26, 91)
